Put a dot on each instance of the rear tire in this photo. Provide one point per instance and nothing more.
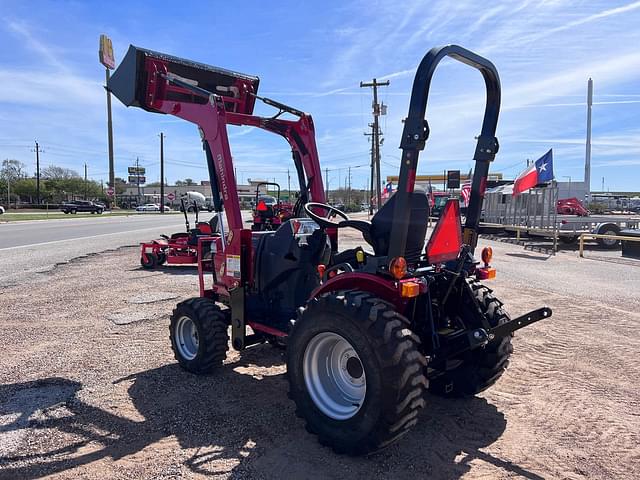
(355, 372)
(478, 369)
(198, 333)
(162, 258)
(150, 262)
(609, 243)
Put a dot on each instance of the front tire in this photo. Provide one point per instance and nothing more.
(476, 370)
(355, 372)
(150, 262)
(198, 333)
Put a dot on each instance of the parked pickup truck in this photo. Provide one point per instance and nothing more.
(81, 206)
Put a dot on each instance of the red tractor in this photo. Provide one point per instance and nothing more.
(571, 206)
(269, 213)
(368, 331)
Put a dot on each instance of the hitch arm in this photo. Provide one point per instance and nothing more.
(520, 322)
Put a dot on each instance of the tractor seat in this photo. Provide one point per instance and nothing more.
(377, 232)
(178, 235)
(382, 222)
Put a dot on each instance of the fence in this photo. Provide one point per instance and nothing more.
(533, 209)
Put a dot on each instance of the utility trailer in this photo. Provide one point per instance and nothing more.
(535, 213)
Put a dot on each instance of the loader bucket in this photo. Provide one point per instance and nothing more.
(135, 80)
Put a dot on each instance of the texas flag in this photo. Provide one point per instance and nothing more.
(541, 171)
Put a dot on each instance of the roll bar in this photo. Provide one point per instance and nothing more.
(416, 133)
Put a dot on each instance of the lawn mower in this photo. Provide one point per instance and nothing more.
(269, 214)
(368, 331)
(182, 247)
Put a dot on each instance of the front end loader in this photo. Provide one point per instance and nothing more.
(370, 331)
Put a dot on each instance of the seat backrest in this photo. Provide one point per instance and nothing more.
(382, 221)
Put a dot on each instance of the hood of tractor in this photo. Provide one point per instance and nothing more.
(130, 81)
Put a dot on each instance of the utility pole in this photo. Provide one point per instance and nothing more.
(37, 150)
(138, 178)
(372, 173)
(587, 157)
(326, 181)
(377, 111)
(288, 185)
(161, 172)
(349, 191)
(85, 181)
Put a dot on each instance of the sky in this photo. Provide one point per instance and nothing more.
(313, 55)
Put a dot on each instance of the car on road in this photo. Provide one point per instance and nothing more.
(76, 206)
(148, 207)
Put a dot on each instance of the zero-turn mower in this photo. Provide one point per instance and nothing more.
(368, 331)
(182, 247)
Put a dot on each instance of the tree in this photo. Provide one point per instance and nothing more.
(189, 182)
(53, 172)
(12, 170)
(26, 189)
(180, 183)
(121, 185)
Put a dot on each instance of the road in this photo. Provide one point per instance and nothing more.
(28, 248)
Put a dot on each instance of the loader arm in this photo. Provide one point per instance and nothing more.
(213, 98)
(300, 134)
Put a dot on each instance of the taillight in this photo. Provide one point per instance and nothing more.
(398, 267)
(487, 255)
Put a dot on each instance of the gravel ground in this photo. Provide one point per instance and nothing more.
(89, 387)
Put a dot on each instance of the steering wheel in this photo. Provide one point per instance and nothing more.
(324, 222)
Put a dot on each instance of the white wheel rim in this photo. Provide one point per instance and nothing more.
(334, 376)
(186, 338)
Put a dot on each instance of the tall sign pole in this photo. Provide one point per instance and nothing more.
(377, 111)
(587, 157)
(161, 172)
(108, 60)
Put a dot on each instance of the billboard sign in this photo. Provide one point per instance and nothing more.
(106, 52)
